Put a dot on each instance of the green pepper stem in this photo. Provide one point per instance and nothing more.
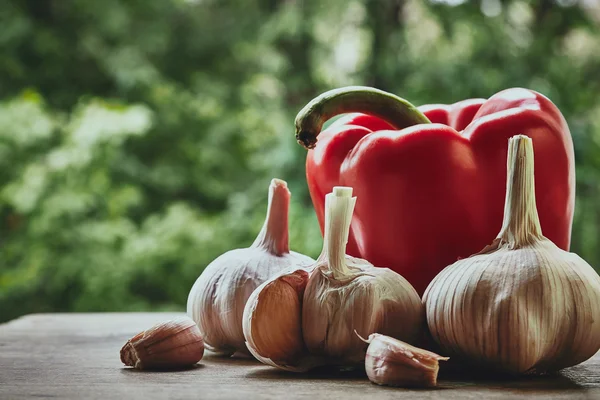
(521, 225)
(394, 110)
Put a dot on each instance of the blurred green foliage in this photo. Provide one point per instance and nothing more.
(138, 138)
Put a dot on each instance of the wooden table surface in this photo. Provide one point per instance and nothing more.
(76, 356)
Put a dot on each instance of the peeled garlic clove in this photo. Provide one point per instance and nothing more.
(394, 363)
(345, 294)
(217, 300)
(172, 344)
(521, 305)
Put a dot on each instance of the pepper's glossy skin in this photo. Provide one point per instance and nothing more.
(432, 193)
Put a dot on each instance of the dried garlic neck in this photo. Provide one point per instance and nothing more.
(339, 206)
(521, 225)
(273, 236)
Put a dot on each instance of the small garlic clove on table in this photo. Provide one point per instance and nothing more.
(171, 344)
(392, 362)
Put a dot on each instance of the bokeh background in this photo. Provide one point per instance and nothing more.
(138, 137)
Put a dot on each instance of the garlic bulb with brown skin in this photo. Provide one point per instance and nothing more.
(307, 317)
(521, 305)
(172, 344)
(392, 362)
(217, 299)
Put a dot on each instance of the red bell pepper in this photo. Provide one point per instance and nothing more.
(430, 181)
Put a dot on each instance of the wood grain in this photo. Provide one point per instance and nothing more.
(75, 356)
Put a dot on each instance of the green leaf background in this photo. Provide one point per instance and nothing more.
(137, 138)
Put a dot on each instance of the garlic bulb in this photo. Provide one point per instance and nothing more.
(172, 344)
(307, 317)
(392, 362)
(345, 293)
(521, 305)
(217, 299)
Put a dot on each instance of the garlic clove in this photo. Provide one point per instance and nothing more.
(171, 344)
(392, 362)
(272, 318)
(272, 323)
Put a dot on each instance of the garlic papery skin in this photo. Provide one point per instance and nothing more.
(346, 294)
(392, 362)
(521, 305)
(172, 344)
(218, 297)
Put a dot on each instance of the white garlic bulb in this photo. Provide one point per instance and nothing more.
(308, 317)
(217, 299)
(521, 305)
(345, 293)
